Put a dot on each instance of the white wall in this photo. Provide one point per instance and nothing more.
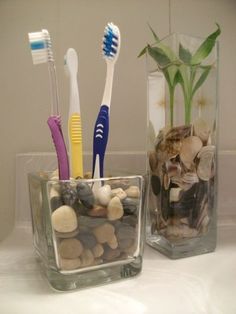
(24, 94)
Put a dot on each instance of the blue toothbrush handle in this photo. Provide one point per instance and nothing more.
(100, 138)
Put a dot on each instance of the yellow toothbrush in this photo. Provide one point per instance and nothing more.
(74, 119)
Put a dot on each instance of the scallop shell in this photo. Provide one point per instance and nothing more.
(205, 169)
(178, 133)
(201, 129)
(191, 145)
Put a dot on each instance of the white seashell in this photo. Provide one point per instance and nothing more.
(119, 192)
(201, 129)
(190, 178)
(103, 195)
(190, 147)
(205, 169)
(175, 194)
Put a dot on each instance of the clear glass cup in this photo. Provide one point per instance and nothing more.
(182, 149)
(89, 231)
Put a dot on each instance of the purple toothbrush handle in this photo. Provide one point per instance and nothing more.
(57, 136)
(100, 137)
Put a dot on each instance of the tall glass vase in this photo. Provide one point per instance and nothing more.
(182, 147)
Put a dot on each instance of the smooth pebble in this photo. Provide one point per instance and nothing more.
(85, 194)
(70, 248)
(104, 232)
(119, 192)
(87, 239)
(133, 191)
(64, 219)
(70, 263)
(87, 258)
(103, 195)
(97, 250)
(115, 209)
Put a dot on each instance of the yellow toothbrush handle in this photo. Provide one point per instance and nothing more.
(76, 151)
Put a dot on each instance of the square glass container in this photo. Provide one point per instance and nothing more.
(89, 231)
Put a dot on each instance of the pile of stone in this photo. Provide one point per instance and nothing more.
(94, 227)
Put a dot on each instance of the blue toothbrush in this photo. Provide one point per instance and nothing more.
(111, 48)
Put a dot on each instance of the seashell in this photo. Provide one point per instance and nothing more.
(153, 161)
(201, 129)
(178, 133)
(173, 168)
(173, 148)
(166, 181)
(175, 194)
(190, 178)
(205, 169)
(190, 147)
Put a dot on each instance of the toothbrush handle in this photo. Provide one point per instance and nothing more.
(100, 138)
(76, 151)
(57, 136)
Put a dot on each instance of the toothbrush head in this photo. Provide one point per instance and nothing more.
(41, 47)
(71, 62)
(111, 42)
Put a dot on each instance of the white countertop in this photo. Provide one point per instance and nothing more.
(200, 284)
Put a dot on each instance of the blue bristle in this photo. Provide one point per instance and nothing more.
(37, 45)
(109, 44)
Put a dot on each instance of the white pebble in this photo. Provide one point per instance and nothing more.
(64, 219)
(115, 209)
(103, 195)
(133, 191)
(119, 192)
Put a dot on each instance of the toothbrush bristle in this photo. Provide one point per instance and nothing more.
(41, 47)
(111, 41)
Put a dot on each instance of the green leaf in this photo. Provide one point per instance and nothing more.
(202, 78)
(184, 54)
(142, 52)
(154, 34)
(158, 55)
(172, 70)
(206, 47)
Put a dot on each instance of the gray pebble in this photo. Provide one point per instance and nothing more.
(130, 205)
(85, 194)
(125, 232)
(55, 202)
(87, 239)
(68, 194)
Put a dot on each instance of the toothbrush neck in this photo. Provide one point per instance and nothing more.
(53, 89)
(108, 85)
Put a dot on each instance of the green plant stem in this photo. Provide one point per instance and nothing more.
(171, 91)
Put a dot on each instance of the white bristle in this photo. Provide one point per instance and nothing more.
(42, 53)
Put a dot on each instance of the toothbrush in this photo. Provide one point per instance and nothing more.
(74, 121)
(41, 49)
(111, 49)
